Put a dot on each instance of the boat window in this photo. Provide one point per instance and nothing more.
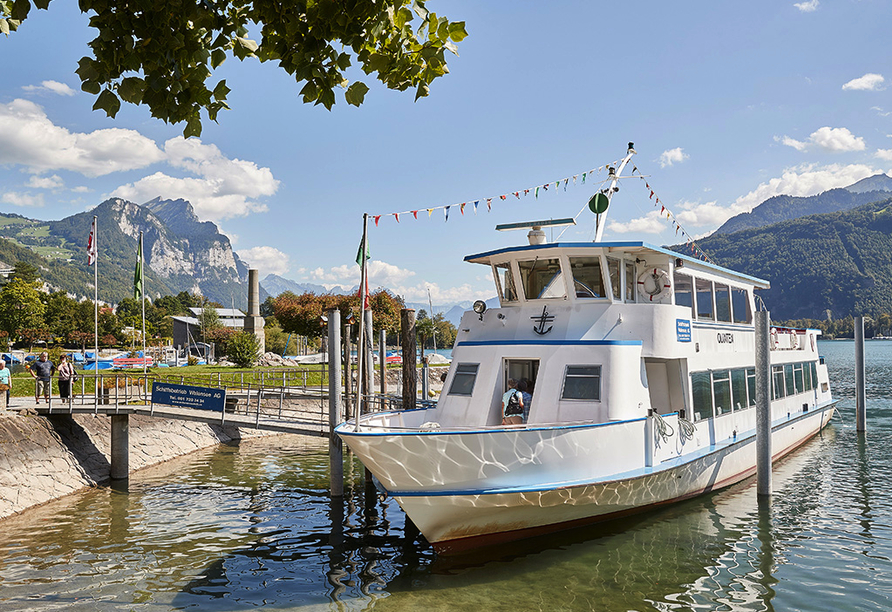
(721, 391)
(722, 302)
(505, 282)
(814, 374)
(463, 381)
(806, 374)
(702, 391)
(798, 379)
(738, 388)
(751, 385)
(684, 291)
(587, 281)
(613, 270)
(630, 281)
(788, 377)
(704, 299)
(777, 382)
(740, 302)
(582, 382)
(541, 279)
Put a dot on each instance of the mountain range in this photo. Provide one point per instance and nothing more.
(181, 252)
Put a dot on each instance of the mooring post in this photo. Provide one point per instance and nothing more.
(120, 446)
(382, 362)
(763, 404)
(335, 446)
(860, 395)
(425, 378)
(410, 373)
(348, 377)
(368, 366)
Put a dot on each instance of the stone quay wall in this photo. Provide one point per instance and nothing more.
(44, 458)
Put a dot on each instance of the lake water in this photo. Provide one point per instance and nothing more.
(239, 527)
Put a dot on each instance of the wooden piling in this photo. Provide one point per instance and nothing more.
(120, 446)
(382, 360)
(410, 374)
(335, 446)
(763, 404)
(860, 394)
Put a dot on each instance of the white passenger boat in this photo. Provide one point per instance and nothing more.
(642, 366)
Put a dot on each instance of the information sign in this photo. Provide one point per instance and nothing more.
(187, 396)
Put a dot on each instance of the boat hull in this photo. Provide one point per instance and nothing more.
(455, 520)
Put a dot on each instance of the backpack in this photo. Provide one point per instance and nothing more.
(514, 408)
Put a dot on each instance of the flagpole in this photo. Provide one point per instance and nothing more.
(96, 312)
(363, 293)
(142, 292)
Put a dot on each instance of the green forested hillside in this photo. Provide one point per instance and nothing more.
(841, 262)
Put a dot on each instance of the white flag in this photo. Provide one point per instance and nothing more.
(91, 244)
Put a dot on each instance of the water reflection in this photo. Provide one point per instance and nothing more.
(252, 525)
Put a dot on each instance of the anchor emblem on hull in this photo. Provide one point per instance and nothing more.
(542, 320)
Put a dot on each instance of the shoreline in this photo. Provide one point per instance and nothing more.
(45, 458)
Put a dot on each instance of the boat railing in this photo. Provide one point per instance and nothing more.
(434, 427)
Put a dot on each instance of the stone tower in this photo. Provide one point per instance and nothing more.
(253, 321)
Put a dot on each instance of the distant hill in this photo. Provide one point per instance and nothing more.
(784, 207)
(275, 285)
(182, 253)
(877, 182)
(839, 261)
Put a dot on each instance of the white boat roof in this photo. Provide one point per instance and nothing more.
(627, 247)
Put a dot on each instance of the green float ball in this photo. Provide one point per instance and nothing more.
(598, 203)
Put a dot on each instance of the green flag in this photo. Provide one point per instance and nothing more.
(137, 274)
(359, 254)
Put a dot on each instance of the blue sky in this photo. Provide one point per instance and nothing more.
(727, 103)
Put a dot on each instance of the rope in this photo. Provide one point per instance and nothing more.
(686, 430)
(663, 428)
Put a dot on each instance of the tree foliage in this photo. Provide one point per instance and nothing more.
(163, 53)
(20, 307)
(243, 349)
(301, 314)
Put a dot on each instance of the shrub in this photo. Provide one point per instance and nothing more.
(244, 349)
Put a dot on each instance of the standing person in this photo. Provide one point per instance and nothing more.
(5, 379)
(512, 405)
(42, 371)
(524, 387)
(66, 376)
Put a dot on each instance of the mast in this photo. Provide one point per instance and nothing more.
(362, 330)
(601, 220)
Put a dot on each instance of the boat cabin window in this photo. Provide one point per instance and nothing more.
(542, 279)
(630, 281)
(613, 269)
(740, 303)
(684, 291)
(505, 282)
(582, 382)
(463, 381)
(777, 382)
(722, 302)
(704, 299)
(721, 391)
(587, 282)
(702, 390)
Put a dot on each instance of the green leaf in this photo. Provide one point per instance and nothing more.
(218, 56)
(193, 127)
(86, 70)
(108, 102)
(247, 44)
(4, 27)
(221, 90)
(457, 31)
(20, 9)
(356, 93)
(131, 90)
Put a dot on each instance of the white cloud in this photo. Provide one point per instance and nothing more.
(804, 180)
(28, 138)
(22, 199)
(52, 87)
(835, 140)
(651, 223)
(53, 182)
(224, 188)
(266, 259)
(884, 154)
(81, 189)
(809, 6)
(869, 82)
(672, 156)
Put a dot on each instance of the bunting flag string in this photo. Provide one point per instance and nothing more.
(689, 240)
(517, 193)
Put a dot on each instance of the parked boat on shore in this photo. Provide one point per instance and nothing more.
(642, 362)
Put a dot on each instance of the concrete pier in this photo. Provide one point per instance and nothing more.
(120, 446)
